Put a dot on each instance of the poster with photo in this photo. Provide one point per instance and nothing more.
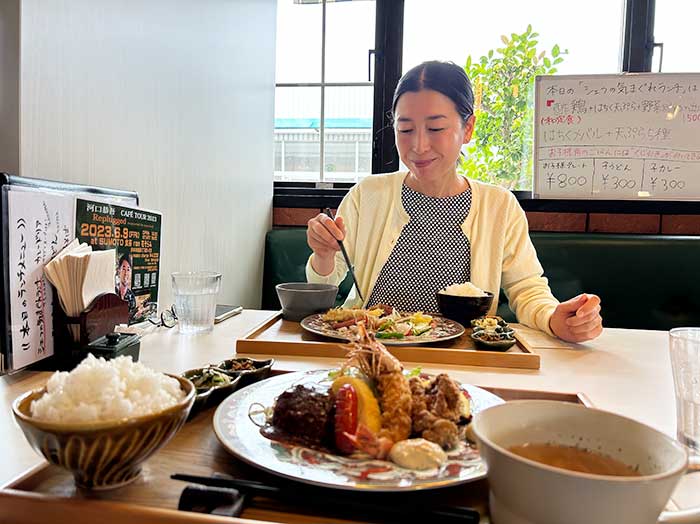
(135, 234)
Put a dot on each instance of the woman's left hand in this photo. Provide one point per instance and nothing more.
(577, 319)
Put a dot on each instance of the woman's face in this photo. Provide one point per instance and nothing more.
(430, 133)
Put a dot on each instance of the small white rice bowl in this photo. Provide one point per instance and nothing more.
(466, 289)
(100, 390)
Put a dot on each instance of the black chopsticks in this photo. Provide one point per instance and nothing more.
(328, 212)
(334, 502)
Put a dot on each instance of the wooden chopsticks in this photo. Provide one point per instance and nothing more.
(330, 501)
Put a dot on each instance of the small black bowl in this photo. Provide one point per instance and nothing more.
(504, 344)
(464, 309)
(213, 395)
(261, 369)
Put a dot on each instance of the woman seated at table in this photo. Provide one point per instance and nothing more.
(410, 234)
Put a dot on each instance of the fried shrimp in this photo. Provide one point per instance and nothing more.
(375, 361)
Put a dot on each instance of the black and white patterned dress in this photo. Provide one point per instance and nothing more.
(430, 254)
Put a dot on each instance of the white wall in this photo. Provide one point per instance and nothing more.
(9, 86)
(171, 98)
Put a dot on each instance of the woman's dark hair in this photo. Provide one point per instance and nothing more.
(126, 257)
(444, 77)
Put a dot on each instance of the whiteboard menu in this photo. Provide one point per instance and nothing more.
(626, 136)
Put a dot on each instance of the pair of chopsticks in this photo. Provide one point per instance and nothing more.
(334, 502)
(328, 212)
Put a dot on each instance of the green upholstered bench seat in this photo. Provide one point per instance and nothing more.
(644, 281)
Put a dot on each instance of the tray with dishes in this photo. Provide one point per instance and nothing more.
(410, 336)
(371, 424)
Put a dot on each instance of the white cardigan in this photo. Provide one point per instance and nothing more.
(501, 250)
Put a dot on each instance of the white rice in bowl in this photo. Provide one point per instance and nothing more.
(99, 390)
(466, 289)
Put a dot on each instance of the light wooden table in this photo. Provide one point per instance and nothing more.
(624, 371)
(163, 349)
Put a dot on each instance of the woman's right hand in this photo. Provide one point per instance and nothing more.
(322, 235)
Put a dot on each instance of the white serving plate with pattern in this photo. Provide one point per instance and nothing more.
(240, 435)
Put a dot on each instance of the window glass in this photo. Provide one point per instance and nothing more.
(298, 42)
(675, 25)
(348, 133)
(348, 108)
(297, 150)
(301, 154)
(453, 30)
(562, 37)
(349, 37)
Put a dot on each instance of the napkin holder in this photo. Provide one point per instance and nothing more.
(101, 316)
(96, 327)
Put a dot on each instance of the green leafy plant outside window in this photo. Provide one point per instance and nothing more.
(500, 151)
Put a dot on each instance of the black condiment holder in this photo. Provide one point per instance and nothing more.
(96, 334)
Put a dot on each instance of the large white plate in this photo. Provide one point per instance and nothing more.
(240, 436)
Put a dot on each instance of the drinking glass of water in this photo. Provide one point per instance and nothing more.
(684, 343)
(195, 300)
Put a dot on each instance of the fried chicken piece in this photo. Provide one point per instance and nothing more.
(438, 407)
(444, 433)
(421, 417)
(444, 397)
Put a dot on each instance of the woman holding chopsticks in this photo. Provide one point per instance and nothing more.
(411, 234)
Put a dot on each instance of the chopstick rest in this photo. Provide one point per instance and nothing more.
(227, 502)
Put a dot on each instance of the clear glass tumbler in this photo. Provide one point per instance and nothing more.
(195, 300)
(684, 344)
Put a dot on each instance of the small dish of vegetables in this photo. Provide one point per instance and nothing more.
(492, 333)
(212, 385)
(247, 369)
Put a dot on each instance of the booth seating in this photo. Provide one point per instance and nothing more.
(644, 281)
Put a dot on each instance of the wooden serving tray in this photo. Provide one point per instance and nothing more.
(47, 493)
(277, 336)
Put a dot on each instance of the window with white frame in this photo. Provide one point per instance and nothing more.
(323, 94)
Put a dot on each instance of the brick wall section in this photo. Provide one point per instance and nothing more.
(564, 222)
(560, 222)
(680, 225)
(627, 223)
(292, 216)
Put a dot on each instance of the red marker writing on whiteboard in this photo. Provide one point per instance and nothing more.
(549, 103)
